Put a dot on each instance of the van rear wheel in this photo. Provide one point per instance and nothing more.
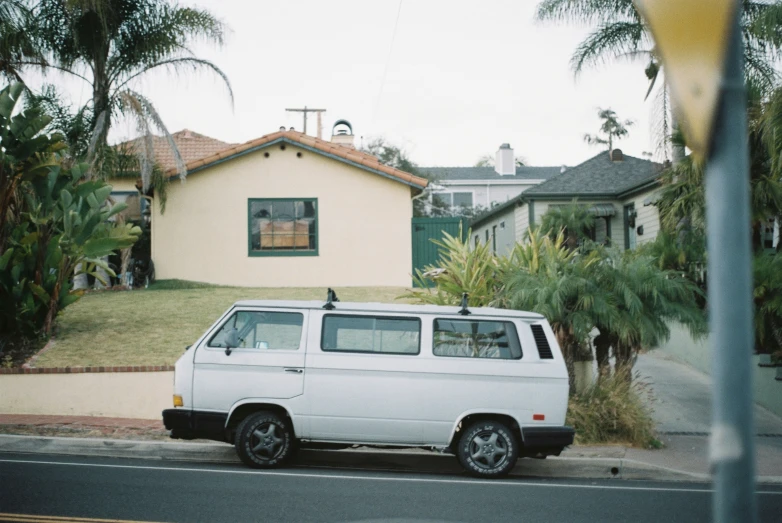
(264, 440)
(488, 449)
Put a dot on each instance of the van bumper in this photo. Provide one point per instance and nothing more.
(193, 424)
(546, 440)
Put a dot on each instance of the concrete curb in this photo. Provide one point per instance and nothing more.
(362, 458)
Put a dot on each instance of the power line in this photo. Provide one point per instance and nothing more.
(388, 60)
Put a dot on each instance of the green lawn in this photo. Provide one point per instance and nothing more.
(153, 326)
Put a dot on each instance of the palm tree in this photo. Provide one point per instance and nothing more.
(644, 300)
(574, 220)
(549, 278)
(111, 43)
(612, 128)
(620, 32)
(16, 45)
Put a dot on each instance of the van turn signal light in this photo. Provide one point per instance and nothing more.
(536, 417)
(178, 401)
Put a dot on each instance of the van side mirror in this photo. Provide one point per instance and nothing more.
(231, 340)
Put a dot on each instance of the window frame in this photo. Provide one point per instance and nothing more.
(507, 322)
(215, 332)
(372, 316)
(259, 254)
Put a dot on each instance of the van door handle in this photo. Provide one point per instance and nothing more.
(297, 371)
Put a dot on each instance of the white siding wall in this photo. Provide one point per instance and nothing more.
(486, 194)
(648, 217)
(506, 236)
(522, 221)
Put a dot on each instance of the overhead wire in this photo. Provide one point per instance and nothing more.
(388, 61)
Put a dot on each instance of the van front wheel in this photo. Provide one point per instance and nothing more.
(488, 449)
(264, 440)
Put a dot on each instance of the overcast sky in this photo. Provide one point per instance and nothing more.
(461, 78)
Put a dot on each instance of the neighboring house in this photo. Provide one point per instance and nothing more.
(487, 186)
(620, 190)
(191, 145)
(287, 210)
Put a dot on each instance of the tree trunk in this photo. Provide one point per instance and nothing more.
(101, 272)
(623, 367)
(602, 351)
(80, 281)
(123, 271)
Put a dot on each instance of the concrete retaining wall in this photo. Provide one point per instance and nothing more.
(768, 391)
(140, 395)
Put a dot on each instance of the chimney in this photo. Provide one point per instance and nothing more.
(504, 162)
(616, 155)
(342, 133)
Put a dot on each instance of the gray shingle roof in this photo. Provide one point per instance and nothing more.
(599, 175)
(488, 173)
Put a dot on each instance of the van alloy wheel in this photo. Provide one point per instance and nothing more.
(488, 449)
(264, 440)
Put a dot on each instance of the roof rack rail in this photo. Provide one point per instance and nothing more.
(331, 297)
(464, 311)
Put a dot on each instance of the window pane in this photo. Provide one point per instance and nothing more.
(371, 334)
(283, 225)
(442, 199)
(262, 330)
(476, 339)
(462, 199)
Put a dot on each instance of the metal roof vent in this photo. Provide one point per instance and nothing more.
(342, 133)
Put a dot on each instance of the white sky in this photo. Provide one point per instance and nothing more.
(462, 78)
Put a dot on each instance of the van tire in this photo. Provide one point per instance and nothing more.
(264, 440)
(488, 449)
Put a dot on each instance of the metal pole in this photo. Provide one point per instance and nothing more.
(732, 452)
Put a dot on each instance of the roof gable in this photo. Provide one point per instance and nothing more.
(341, 153)
(599, 176)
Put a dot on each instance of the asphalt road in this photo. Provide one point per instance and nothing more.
(144, 490)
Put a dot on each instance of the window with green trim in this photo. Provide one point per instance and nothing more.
(283, 226)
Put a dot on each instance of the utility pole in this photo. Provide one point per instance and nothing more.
(700, 42)
(732, 452)
(305, 111)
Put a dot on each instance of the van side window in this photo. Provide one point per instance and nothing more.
(476, 339)
(373, 334)
(262, 330)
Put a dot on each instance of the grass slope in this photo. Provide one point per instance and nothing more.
(153, 326)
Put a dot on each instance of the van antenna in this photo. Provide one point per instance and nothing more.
(331, 297)
(464, 311)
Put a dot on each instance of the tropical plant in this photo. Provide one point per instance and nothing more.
(574, 220)
(612, 128)
(460, 269)
(51, 221)
(109, 44)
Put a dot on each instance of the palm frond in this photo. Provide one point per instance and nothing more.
(608, 41)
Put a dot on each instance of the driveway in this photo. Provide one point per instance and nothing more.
(680, 397)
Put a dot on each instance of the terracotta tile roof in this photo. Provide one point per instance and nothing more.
(192, 146)
(348, 153)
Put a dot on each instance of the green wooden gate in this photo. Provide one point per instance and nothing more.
(425, 252)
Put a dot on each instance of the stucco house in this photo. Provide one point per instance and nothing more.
(487, 186)
(283, 210)
(620, 190)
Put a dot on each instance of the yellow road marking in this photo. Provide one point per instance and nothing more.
(39, 518)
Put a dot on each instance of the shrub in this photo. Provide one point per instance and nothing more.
(613, 411)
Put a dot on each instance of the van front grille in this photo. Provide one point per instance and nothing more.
(544, 349)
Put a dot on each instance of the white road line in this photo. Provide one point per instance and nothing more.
(486, 483)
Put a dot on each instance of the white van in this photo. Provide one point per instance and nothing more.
(488, 385)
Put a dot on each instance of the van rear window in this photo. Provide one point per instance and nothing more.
(373, 334)
(476, 339)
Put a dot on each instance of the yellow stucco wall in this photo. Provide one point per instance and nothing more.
(363, 230)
